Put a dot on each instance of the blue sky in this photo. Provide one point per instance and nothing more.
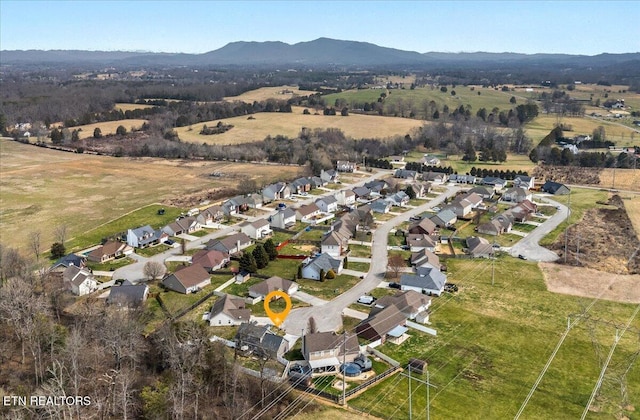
(574, 27)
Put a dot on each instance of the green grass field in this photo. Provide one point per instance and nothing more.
(329, 289)
(493, 342)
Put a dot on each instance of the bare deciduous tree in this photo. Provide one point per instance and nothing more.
(34, 243)
(395, 264)
(60, 233)
(154, 270)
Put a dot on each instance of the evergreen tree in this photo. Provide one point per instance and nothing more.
(57, 250)
(322, 275)
(300, 271)
(469, 152)
(409, 191)
(270, 247)
(261, 257)
(248, 262)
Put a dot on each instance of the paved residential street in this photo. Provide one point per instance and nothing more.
(328, 317)
(529, 247)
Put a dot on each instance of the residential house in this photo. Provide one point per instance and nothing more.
(258, 229)
(497, 183)
(380, 206)
(273, 284)
(210, 215)
(330, 176)
(313, 266)
(283, 219)
(411, 304)
(228, 310)
(522, 212)
(235, 205)
(210, 260)
(418, 189)
(424, 226)
(108, 251)
(430, 160)
(79, 280)
(71, 259)
(273, 192)
(463, 179)
(420, 241)
(485, 193)
(183, 225)
(145, 236)
(346, 198)
(190, 279)
(326, 351)
(496, 226)
(377, 187)
(300, 185)
(522, 181)
(307, 212)
(231, 244)
(426, 280)
(345, 166)
(516, 195)
(254, 201)
(438, 178)
(405, 174)
(317, 182)
(327, 204)
(444, 218)
(334, 244)
(425, 258)
(128, 294)
(461, 207)
(555, 188)
(399, 199)
(377, 326)
(479, 247)
(396, 159)
(260, 341)
(362, 193)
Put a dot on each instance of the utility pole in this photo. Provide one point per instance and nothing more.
(410, 399)
(566, 231)
(427, 385)
(428, 402)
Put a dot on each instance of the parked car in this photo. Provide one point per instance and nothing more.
(436, 209)
(366, 300)
(169, 242)
(522, 257)
(395, 285)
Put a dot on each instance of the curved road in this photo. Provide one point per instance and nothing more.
(328, 317)
(529, 245)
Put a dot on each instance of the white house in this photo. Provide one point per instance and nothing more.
(145, 236)
(346, 198)
(526, 182)
(273, 284)
(426, 280)
(327, 204)
(307, 213)
(283, 219)
(256, 230)
(79, 280)
(312, 266)
(228, 310)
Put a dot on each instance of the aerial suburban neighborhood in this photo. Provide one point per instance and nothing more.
(326, 229)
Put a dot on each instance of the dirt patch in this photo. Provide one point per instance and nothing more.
(604, 240)
(587, 282)
(305, 248)
(568, 174)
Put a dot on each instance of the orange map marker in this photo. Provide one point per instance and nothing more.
(277, 317)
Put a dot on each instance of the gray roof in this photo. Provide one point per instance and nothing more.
(129, 294)
(271, 284)
(151, 234)
(320, 341)
(233, 306)
(552, 187)
(67, 260)
(324, 262)
(425, 278)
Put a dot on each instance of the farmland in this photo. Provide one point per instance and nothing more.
(276, 92)
(494, 340)
(130, 107)
(43, 188)
(109, 127)
(632, 204)
(290, 124)
(543, 124)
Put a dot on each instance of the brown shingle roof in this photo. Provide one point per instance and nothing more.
(191, 275)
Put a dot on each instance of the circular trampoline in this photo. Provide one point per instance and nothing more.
(351, 369)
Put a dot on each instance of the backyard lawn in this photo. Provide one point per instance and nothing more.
(495, 340)
(329, 289)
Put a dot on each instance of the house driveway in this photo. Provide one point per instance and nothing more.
(328, 317)
(529, 245)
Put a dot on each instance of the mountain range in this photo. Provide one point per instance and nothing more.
(319, 52)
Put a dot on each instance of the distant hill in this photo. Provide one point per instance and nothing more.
(319, 52)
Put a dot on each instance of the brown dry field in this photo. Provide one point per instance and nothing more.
(130, 107)
(108, 127)
(42, 188)
(632, 205)
(543, 124)
(265, 93)
(587, 282)
(290, 124)
(626, 179)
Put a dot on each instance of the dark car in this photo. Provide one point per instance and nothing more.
(450, 287)
(169, 242)
(395, 285)
(522, 257)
